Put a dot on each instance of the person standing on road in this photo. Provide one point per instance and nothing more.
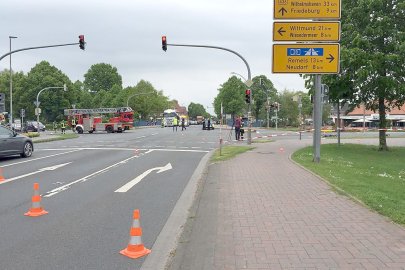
(73, 124)
(183, 124)
(62, 126)
(238, 124)
(175, 123)
(55, 126)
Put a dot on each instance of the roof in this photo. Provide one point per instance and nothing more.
(360, 111)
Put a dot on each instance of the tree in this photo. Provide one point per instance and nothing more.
(231, 95)
(53, 101)
(262, 90)
(102, 77)
(196, 109)
(372, 57)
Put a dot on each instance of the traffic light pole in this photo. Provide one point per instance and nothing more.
(39, 47)
(249, 135)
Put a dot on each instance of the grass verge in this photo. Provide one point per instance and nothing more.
(58, 138)
(229, 152)
(375, 178)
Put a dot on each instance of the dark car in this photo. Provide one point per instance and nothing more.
(12, 143)
(32, 126)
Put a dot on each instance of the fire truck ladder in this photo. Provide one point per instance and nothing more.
(96, 111)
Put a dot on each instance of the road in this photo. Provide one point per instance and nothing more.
(88, 222)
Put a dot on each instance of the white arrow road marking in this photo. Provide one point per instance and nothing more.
(138, 179)
(52, 168)
(84, 179)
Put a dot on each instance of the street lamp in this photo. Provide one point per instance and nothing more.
(138, 94)
(11, 87)
(37, 110)
(234, 73)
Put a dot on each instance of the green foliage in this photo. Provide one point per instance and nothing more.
(378, 180)
(102, 77)
(262, 89)
(232, 96)
(372, 57)
(229, 152)
(196, 109)
(52, 100)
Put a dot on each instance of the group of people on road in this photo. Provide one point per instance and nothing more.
(176, 123)
(63, 125)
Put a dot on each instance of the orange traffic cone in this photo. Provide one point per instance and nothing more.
(135, 248)
(1, 175)
(36, 209)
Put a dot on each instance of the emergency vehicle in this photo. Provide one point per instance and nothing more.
(91, 120)
(168, 116)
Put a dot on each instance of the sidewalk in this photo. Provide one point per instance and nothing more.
(262, 211)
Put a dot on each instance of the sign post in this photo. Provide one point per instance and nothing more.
(308, 57)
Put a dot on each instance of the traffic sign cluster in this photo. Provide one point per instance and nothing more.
(313, 54)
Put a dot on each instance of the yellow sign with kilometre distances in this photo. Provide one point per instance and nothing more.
(309, 58)
(307, 9)
(306, 31)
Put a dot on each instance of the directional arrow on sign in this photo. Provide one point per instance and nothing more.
(281, 31)
(52, 168)
(330, 58)
(282, 10)
(138, 179)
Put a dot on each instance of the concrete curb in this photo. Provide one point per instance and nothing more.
(167, 240)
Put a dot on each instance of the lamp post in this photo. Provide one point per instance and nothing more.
(11, 87)
(37, 110)
(234, 73)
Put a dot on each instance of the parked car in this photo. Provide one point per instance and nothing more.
(17, 125)
(12, 143)
(32, 126)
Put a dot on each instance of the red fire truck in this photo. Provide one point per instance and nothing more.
(91, 120)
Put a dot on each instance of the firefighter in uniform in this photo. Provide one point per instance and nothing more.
(62, 126)
(55, 126)
(74, 124)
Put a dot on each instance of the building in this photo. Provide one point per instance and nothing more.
(360, 117)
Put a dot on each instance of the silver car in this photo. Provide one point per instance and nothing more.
(12, 143)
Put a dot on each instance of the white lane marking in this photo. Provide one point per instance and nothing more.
(138, 179)
(84, 179)
(132, 149)
(51, 168)
(54, 155)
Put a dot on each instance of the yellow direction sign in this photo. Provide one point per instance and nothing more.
(307, 9)
(310, 58)
(306, 31)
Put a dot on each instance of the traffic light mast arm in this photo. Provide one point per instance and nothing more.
(249, 137)
(219, 48)
(39, 47)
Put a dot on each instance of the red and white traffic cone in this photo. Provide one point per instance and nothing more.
(135, 248)
(36, 209)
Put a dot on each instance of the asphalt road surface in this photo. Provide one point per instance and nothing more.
(88, 221)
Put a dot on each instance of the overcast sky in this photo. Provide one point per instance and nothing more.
(127, 35)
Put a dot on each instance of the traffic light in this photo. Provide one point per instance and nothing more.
(164, 43)
(247, 96)
(81, 42)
